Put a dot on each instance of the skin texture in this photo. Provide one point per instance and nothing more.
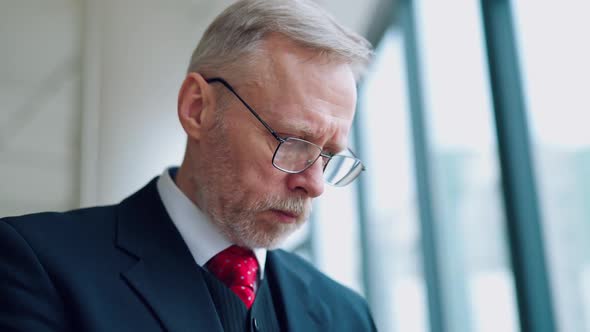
(227, 170)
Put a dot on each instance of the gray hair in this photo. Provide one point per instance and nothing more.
(233, 40)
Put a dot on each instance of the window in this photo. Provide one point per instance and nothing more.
(554, 55)
(395, 280)
(475, 275)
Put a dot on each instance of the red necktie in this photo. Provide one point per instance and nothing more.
(237, 268)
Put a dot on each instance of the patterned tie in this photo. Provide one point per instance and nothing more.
(237, 268)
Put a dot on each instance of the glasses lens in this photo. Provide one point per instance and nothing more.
(295, 155)
(342, 170)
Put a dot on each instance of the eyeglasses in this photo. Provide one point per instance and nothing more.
(294, 155)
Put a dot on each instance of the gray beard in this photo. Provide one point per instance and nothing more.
(241, 227)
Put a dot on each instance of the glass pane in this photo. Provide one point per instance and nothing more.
(397, 289)
(476, 276)
(555, 53)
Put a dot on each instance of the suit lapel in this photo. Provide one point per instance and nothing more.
(303, 311)
(165, 276)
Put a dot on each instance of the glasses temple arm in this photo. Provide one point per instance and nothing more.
(231, 89)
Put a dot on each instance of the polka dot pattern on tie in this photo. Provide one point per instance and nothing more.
(237, 268)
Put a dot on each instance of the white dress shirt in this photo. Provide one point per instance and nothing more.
(201, 236)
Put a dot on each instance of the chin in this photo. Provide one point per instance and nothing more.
(270, 236)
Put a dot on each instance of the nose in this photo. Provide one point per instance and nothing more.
(310, 181)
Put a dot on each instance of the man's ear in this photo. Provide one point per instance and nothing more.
(196, 104)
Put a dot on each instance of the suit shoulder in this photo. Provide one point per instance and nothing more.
(321, 281)
(54, 219)
(348, 309)
(63, 227)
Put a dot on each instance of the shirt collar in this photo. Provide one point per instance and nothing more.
(201, 236)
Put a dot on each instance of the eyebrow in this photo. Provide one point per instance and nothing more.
(304, 131)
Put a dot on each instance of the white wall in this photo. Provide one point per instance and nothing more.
(39, 105)
(142, 52)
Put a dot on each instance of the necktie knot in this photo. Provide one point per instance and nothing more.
(237, 268)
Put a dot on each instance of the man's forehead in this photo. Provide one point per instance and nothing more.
(284, 59)
(301, 92)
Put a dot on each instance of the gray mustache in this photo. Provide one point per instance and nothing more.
(294, 205)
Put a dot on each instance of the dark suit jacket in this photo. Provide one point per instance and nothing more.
(126, 268)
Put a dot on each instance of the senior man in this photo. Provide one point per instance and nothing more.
(267, 106)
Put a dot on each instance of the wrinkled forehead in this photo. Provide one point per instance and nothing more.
(308, 94)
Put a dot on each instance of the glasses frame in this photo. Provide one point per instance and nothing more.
(326, 156)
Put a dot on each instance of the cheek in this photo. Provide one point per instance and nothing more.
(251, 159)
(262, 174)
(261, 179)
(255, 160)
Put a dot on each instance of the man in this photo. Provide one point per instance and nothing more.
(267, 105)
